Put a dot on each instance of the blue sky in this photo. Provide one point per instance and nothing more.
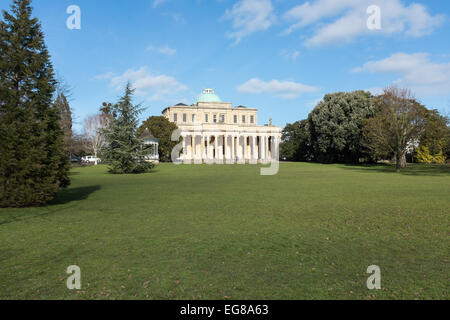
(280, 56)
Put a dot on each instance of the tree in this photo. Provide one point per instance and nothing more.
(123, 150)
(433, 140)
(33, 164)
(295, 145)
(93, 132)
(162, 129)
(397, 124)
(65, 114)
(335, 126)
(80, 145)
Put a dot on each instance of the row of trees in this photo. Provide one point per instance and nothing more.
(113, 135)
(353, 127)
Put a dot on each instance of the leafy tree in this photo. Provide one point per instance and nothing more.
(123, 150)
(33, 165)
(398, 123)
(335, 126)
(162, 129)
(425, 156)
(433, 140)
(295, 145)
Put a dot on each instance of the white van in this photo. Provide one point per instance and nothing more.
(91, 159)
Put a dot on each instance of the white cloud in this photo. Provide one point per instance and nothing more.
(249, 16)
(290, 55)
(153, 87)
(156, 3)
(416, 71)
(283, 89)
(165, 50)
(105, 76)
(343, 21)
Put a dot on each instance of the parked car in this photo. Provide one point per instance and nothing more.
(90, 159)
(75, 160)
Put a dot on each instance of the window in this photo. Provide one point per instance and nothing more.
(252, 119)
(175, 117)
(243, 119)
(215, 118)
(222, 118)
(206, 117)
(184, 117)
(235, 119)
(193, 118)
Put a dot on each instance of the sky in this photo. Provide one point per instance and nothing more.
(280, 56)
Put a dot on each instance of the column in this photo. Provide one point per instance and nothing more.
(208, 148)
(239, 149)
(254, 154)
(225, 146)
(183, 157)
(233, 156)
(216, 147)
(263, 154)
(245, 156)
(192, 155)
(277, 148)
(204, 147)
(259, 147)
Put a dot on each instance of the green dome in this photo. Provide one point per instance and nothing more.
(208, 95)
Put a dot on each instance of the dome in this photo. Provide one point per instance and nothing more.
(208, 95)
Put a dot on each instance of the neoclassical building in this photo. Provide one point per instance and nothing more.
(216, 132)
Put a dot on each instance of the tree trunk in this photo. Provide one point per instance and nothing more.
(397, 162)
(403, 160)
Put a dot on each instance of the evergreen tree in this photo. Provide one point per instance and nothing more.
(33, 165)
(124, 151)
(335, 126)
(62, 105)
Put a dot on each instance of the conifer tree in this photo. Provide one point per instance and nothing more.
(65, 113)
(33, 165)
(124, 151)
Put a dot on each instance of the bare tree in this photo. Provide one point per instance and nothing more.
(93, 126)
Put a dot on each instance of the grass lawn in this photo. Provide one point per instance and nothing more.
(226, 232)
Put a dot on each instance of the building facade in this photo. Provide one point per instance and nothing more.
(216, 132)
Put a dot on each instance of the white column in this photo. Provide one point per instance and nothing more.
(204, 147)
(225, 146)
(245, 155)
(233, 156)
(254, 156)
(215, 148)
(220, 144)
(192, 155)
(183, 157)
(263, 148)
(277, 148)
(260, 149)
(208, 150)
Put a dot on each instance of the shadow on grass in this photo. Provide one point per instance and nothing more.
(64, 196)
(411, 170)
(73, 194)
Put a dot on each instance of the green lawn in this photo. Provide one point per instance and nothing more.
(226, 232)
